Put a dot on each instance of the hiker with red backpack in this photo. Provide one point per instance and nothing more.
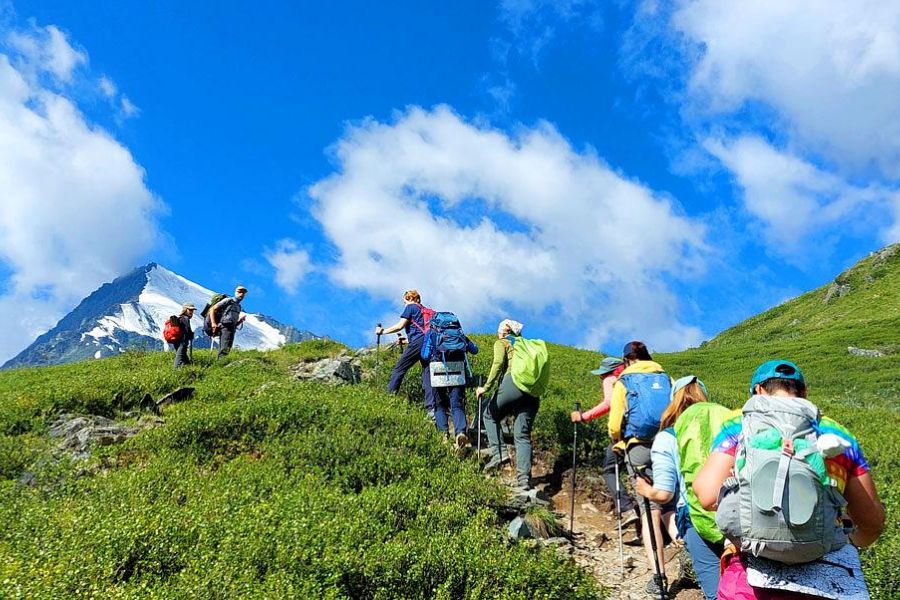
(640, 395)
(177, 331)
(784, 480)
(522, 369)
(446, 348)
(414, 320)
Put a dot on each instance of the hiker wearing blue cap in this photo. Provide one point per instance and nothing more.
(781, 477)
(684, 434)
(609, 370)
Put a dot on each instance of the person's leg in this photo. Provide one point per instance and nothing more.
(226, 340)
(177, 362)
(430, 395)
(610, 458)
(638, 462)
(526, 408)
(458, 409)
(705, 560)
(440, 410)
(495, 409)
(409, 357)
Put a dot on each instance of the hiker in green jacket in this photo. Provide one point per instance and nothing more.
(510, 400)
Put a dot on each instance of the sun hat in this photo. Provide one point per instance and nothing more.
(188, 306)
(776, 369)
(608, 365)
(682, 382)
(240, 288)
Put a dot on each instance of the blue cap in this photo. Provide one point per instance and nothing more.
(608, 365)
(776, 369)
(684, 381)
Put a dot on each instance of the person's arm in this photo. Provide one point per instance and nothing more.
(393, 328)
(663, 457)
(865, 509)
(650, 492)
(710, 478)
(497, 366)
(617, 409)
(212, 311)
(602, 408)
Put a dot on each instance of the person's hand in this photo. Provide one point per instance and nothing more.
(576, 416)
(379, 330)
(241, 320)
(642, 487)
(479, 391)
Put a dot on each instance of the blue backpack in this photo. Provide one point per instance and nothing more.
(648, 397)
(444, 338)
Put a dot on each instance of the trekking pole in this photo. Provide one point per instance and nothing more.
(574, 467)
(377, 349)
(619, 520)
(478, 416)
(663, 584)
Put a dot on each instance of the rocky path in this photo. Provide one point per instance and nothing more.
(595, 543)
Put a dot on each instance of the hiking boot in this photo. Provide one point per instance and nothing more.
(655, 587)
(462, 444)
(494, 464)
(629, 519)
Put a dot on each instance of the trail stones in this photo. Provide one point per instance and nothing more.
(154, 406)
(342, 370)
(79, 433)
(863, 352)
(518, 529)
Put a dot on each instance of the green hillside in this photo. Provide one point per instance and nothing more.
(261, 486)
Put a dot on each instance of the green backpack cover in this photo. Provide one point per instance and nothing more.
(695, 430)
(530, 365)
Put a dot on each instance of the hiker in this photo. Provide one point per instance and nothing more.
(640, 395)
(413, 321)
(182, 347)
(225, 317)
(682, 428)
(509, 401)
(445, 348)
(610, 369)
(749, 458)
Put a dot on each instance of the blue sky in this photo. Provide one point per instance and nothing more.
(598, 170)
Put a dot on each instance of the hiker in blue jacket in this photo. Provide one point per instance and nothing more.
(413, 322)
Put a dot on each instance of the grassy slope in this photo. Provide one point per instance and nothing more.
(297, 491)
(320, 492)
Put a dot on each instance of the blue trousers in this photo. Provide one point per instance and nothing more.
(451, 401)
(410, 357)
(705, 556)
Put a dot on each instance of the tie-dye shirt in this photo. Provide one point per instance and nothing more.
(850, 463)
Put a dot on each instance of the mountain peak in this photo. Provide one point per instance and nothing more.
(130, 312)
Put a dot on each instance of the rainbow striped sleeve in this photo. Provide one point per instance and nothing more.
(727, 439)
(850, 463)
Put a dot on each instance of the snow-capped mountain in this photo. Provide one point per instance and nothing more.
(131, 311)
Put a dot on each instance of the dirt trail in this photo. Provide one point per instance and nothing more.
(596, 545)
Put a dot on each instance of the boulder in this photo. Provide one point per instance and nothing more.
(80, 433)
(342, 370)
(518, 529)
(863, 352)
(836, 290)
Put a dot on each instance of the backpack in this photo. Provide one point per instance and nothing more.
(172, 332)
(216, 298)
(695, 430)
(207, 328)
(781, 504)
(427, 316)
(444, 337)
(530, 365)
(648, 395)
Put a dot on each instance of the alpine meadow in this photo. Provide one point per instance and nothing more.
(260, 486)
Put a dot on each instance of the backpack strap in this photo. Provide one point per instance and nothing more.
(784, 464)
(413, 321)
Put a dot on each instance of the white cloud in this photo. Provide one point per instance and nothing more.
(48, 49)
(291, 265)
(829, 69)
(128, 109)
(75, 210)
(795, 200)
(486, 224)
(107, 87)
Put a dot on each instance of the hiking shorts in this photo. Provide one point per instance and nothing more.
(637, 459)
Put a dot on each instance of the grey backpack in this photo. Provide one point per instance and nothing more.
(780, 504)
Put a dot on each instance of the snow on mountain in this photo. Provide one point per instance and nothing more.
(131, 311)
